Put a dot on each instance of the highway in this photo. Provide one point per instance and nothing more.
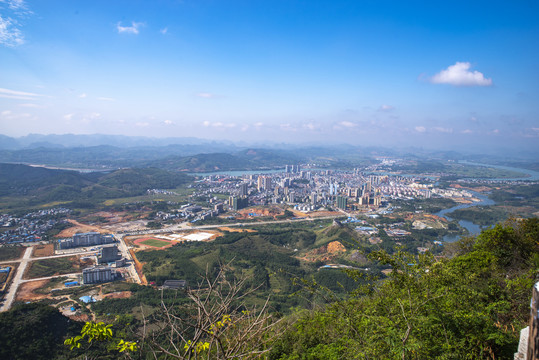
(10, 296)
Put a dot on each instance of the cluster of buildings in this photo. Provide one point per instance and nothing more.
(311, 189)
(191, 212)
(107, 256)
(85, 239)
(30, 227)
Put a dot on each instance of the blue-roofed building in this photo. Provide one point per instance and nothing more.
(87, 299)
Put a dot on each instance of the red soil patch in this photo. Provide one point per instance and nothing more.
(43, 250)
(231, 229)
(25, 292)
(325, 253)
(118, 295)
(78, 227)
(138, 268)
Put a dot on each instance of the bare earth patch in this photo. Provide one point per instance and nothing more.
(325, 253)
(43, 250)
(78, 227)
(231, 229)
(26, 291)
(118, 295)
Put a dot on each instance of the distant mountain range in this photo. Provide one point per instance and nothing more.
(198, 155)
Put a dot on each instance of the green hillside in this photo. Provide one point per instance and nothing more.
(22, 185)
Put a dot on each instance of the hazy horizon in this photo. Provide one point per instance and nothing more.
(441, 75)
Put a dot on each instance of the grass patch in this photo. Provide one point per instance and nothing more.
(11, 252)
(155, 243)
(203, 260)
(50, 267)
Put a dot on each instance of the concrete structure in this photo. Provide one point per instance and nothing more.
(85, 239)
(238, 203)
(98, 274)
(342, 202)
(244, 191)
(108, 254)
(120, 263)
(175, 284)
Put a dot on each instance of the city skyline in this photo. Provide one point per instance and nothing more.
(449, 75)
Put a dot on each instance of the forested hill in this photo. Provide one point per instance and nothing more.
(40, 185)
(250, 159)
(469, 305)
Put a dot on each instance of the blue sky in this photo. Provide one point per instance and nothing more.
(434, 74)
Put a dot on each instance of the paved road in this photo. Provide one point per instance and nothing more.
(10, 296)
(48, 257)
(130, 263)
(51, 277)
(183, 226)
(17, 280)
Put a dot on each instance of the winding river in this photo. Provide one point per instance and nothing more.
(472, 228)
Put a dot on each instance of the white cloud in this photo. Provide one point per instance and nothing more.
(444, 130)
(83, 95)
(68, 117)
(420, 129)
(106, 99)
(206, 95)
(310, 126)
(168, 122)
(385, 107)
(133, 29)
(89, 118)
(19, 95)
(460, 75)
(347, 124)
(259, 124)
(287, 127)
(15, 4)
(163, 31)
(10, 28)
(467, 131)
(218, 124)
(11, 116)
(534, 133)
(35, 106)
(142, 124)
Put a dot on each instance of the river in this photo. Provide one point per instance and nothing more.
(530, 174)
(472, 228)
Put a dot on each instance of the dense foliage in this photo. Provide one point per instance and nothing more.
(34, 331)
(471, 306)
